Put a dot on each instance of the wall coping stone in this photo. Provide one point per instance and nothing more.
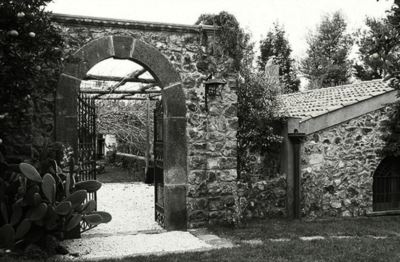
(68, 19)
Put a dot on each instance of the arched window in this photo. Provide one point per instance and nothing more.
(386, 185)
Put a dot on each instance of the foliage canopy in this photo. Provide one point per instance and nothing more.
(378, 49)
(392, 137)
(276, 47)
(30, 55)
(326, 62)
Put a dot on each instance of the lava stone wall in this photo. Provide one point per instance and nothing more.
(337, 166)
(262, 193)
(210, 135)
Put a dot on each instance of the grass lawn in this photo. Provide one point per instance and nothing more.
(274, 228)
(360, 248)
(326, 250)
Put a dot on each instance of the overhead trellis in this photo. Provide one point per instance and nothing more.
(124, 84)
(135, 84)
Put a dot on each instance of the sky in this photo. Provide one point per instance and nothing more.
(256, 16)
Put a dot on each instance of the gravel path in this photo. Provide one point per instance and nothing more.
(119, 246)
(131, 206)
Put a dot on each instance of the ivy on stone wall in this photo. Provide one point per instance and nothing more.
(258, 105)
(232, 40)
(392, 132)
(259, 119)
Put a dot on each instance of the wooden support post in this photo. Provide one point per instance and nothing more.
(147, 134)
(297, 183)
(297, 139)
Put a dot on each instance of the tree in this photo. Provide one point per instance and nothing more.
(392, 126)
(276, 47)
(326, 62)
(394, 15)
(31, 51)
(378, 49)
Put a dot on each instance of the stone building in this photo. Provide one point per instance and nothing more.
(331, 151)
(329, 163)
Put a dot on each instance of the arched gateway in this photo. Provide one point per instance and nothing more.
(174, 112)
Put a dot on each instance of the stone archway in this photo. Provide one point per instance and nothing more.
(175, 148)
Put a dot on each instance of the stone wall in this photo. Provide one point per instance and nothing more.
(211, 135)
(212, 160)
(337, 166)
(262, 189)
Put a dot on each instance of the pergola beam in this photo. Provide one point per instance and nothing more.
(120, 79)
(144, 88)
(112, 91)
(154, 95)
(138, 73)
(124, 98)
(123, 92)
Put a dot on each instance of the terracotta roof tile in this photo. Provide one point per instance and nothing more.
(317, 102)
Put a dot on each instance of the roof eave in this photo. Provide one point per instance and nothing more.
(343, 114)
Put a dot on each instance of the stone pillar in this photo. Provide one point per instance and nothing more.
(66, 121)
(212, 195)
(175, 154)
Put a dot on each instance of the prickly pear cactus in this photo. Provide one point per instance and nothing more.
(33, 206)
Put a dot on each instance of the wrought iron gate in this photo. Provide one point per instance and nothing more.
(86, 145)
(158, 164)
(386, 185)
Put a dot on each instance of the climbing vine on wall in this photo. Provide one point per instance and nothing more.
(259, 119)
(258, 103)
(232, 40)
